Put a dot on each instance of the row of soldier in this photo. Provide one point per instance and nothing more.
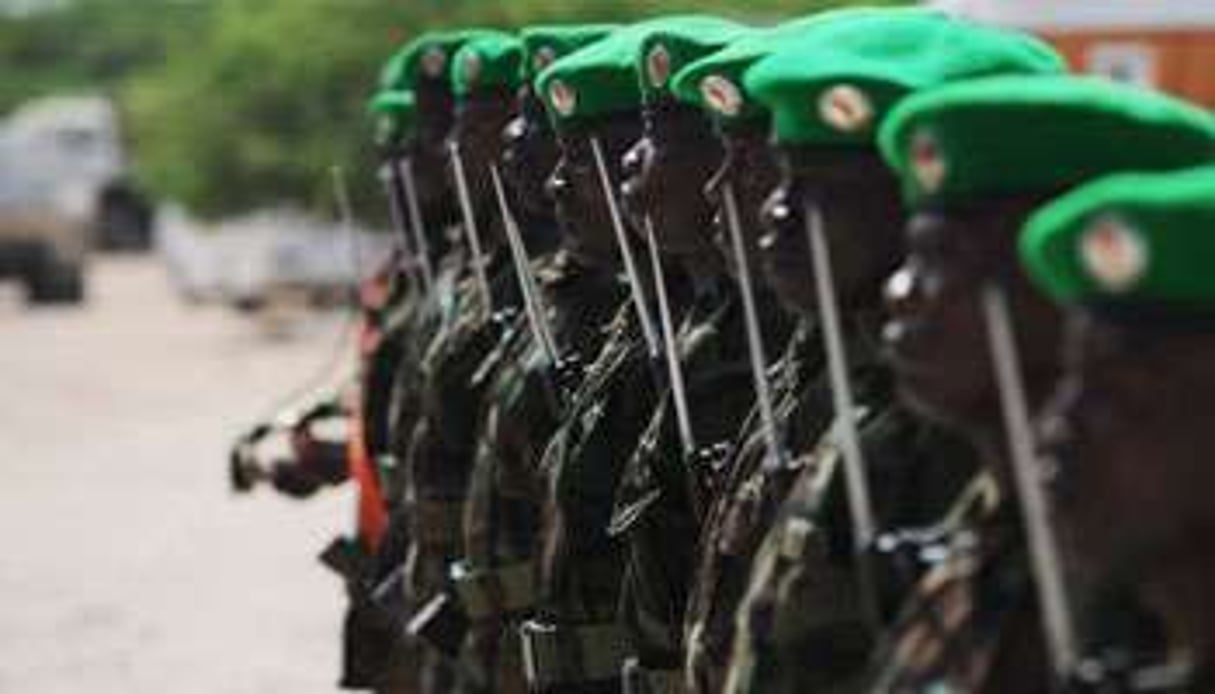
(815, 357)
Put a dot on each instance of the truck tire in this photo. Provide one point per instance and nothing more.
(125, 222)
(54, 282)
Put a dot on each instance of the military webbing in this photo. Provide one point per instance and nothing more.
(487, 593)
(555, 655)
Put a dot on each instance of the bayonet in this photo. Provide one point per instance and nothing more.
(478, 259)
(679, 393)
(1035, 513)
(527, 282)
(417, 225)
(855, 476)
(392, 191)
(626, 253)
(755, 338)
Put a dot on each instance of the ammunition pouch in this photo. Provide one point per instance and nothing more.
(638, 679)
(561, 656)
(488, 593)
(440, 624)
(372, 632)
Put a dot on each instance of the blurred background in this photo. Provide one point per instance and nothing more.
(171, 270)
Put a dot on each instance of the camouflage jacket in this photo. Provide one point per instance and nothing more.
(665, 491)
(804, 624)
(498, 578)
(971, 623)
(749, 495)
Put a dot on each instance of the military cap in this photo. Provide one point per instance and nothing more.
(671, 48)
(602, 78)
(1128, 239)
(544, 44)
(428, 56)
(1037, 134)
(489, 60)
(837, 84)
(394, 113)
(715, 82)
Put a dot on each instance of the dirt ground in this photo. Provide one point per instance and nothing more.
(126, 565)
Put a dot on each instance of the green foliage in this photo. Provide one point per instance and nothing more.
(234, 104)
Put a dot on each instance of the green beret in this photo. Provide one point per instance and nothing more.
(602, 78)
(1131, 239)
(394, 113)
(838, 83)
(490, 60)
(671, 48)
(715, 81)
(543, 45)
(425, 57)
(1037, 134)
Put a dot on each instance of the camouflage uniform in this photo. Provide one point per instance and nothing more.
(665, 493)
(441, 451)
(749, 496)
(803, 624)
(971, 624)
(506, 495)
(575, 643)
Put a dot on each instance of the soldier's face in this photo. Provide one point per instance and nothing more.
(856, 203)
(936, 334)
(1126, 427)
(664, 177)
(529, 155)
(427, 151)
(750, 169)
(480, 118)
(578, 193)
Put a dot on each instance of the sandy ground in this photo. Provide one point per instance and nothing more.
(125, 563)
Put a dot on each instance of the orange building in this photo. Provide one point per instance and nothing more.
(1164, 44)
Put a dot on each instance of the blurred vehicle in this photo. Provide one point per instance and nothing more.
(267, 257)
(45, 227)
(77, 141)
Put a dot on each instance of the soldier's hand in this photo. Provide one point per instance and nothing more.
(568, 373)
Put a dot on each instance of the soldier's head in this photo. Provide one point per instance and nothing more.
(748, 166)
(971, 180)
(667, 169)
(423, 67)
(530, 145)
(1129, 258)
(829, 92)
(485, 78)
(593, 101)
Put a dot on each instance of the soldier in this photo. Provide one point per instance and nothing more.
(484, 75)
(576, 643)
(497, 579)
(707, 390)
(1129, 258)
(973, 623)
(816, 597)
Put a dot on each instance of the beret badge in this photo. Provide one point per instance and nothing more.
(563, 98)
(658, 66)
(721, 95)
(846, 108)
(1113, 253)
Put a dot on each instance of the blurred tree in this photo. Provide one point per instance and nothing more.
(235, 104)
